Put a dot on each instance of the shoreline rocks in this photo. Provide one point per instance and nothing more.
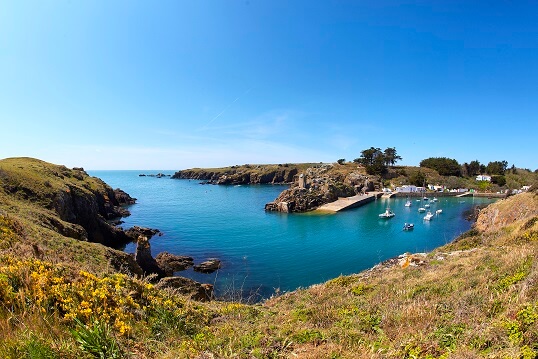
(247, 174)
(208, 266)
(136, 231)
(171, 263)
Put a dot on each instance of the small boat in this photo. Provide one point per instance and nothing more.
(434, 199)
(428, 216)
(426, 198)
(439, 211)
(387, 214)
(408, 226)
(408, 203)
(422, 209)
(426, 206)
(418, 200)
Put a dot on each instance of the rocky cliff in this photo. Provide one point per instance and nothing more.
(68, 201)
(245, 174)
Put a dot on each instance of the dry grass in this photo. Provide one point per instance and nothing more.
(474, 298)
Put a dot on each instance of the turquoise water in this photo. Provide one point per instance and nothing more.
(262, 252)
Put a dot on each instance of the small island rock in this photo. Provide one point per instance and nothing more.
(208, 266)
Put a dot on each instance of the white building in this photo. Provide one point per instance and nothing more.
(406, 189)
(483, 178)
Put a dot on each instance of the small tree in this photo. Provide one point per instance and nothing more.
(341, 161)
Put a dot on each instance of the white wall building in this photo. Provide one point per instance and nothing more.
(483, 178)
(406, 189)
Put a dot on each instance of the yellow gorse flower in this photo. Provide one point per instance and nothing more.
(116, 299)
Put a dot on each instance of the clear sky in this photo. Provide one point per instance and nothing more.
(179, 84)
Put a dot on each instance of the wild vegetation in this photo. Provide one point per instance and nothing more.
(476, 297)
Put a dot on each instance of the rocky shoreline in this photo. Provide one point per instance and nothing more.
(246, 174)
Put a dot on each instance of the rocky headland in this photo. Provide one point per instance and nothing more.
(245, 174)
(57, 209)
(321, 184)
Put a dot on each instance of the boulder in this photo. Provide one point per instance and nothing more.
(144, 258)
(186, 286)
(208, 266)
(171, 263)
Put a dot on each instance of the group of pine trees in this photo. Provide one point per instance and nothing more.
(377, 162)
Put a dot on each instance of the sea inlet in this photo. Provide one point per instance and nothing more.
(264, 253)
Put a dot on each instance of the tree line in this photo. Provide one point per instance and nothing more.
(377, 161)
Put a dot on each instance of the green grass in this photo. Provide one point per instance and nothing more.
(474, 298)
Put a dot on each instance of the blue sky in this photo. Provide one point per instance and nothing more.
(179, 84)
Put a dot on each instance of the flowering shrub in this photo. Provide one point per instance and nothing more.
(115, 299)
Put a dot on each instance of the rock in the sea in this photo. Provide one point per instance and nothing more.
(208, 266)
(144, 258)
(171, 263)
(186, 286)
(137, 231)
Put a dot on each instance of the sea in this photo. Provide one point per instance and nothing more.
(268, 253)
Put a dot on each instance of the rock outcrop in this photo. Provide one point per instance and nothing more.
(208, 266)
(186, 286)
(145, 260)
(246, 174)
(123, 197)
(137, 231)
(171, 263)
(318, 186)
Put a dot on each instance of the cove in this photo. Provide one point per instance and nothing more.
(263, 253)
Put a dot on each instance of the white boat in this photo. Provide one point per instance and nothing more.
(422, 209)
(408, 203)
(428, 216)
(439, 211)
(425, 198)
(387, 214)
(434, 199)
(426, 206)
(408, 226)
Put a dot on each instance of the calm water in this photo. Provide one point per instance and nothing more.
(264, 251)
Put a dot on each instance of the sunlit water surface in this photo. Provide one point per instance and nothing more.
(263, 252)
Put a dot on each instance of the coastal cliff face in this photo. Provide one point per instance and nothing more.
(67, 201)
(245, 174)
(504, 213)
(319, 185)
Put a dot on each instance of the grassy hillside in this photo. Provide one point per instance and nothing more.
(54, 211)
(474, 298)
